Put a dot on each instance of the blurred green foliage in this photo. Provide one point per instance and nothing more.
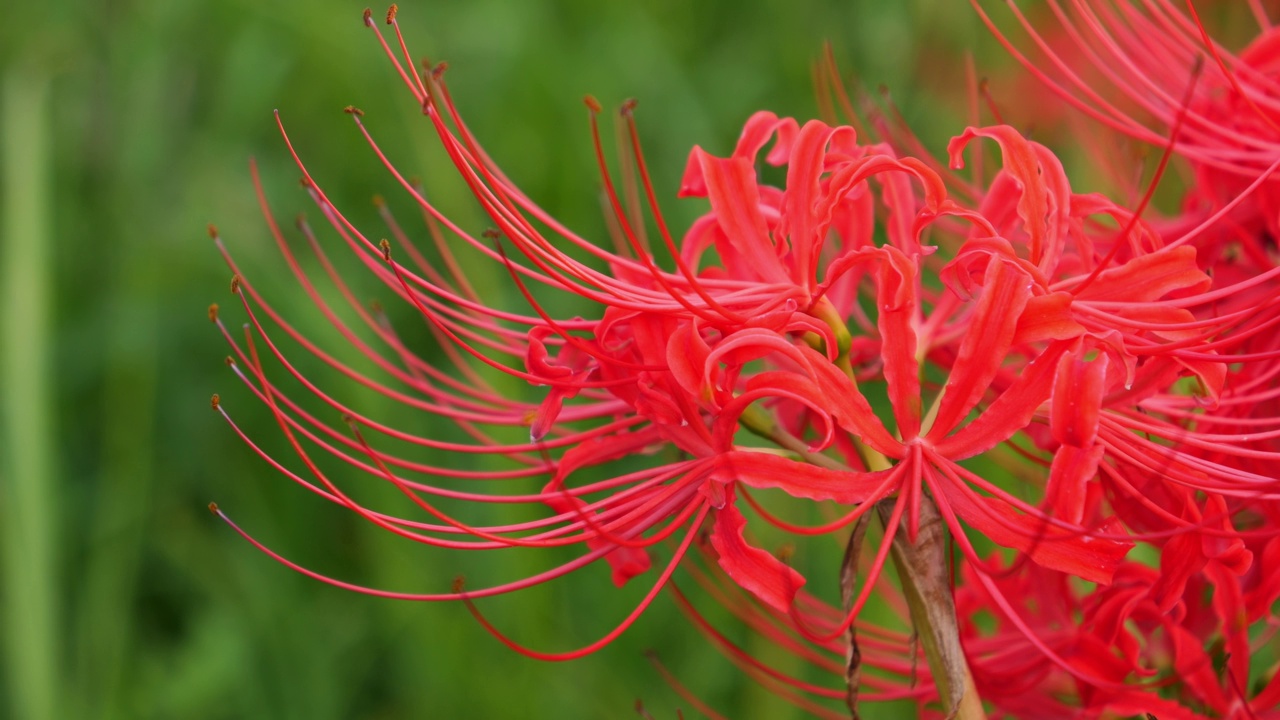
(128, 126)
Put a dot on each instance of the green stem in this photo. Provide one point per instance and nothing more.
(28, 517)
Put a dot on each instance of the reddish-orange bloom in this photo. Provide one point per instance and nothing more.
(856, 338)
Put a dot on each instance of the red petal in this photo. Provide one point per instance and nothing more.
(972, 261)
(1149, 277)
(803, 230)
(1179, 560)
(1266, 589)
(849, 406)
(1072, 469)
(1077, 399)
(687, 358)
(1005, 292)
(1193, 666)
(802, 480)
(1047, 317)
(751, 344)
(755, 570)
(735, 200)
(896, 294)
(1229, 607)
(538, 361)
(1045, 202)
(603, 449)
(1092, 559)
(545, 416)
(626, 562)
(785, 386)
(1010, 412)
(906, 219)
(756, 133)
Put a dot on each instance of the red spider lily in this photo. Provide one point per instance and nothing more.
(664, 365)
(1191, 473)
(1126, 65)
(1190, 659)
(1119, 651)
(1135, 378)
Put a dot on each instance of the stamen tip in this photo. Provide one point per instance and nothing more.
(213, 312)
(592, 103)
(236, 280)
(458, 583)
(213, 508)
(353, 110)
(379, 202)
(385, 247)
(215, 401)
(628, 107)
(538, 427)
(368, 17)
(785, 553)
(391, 13)
(213, 231)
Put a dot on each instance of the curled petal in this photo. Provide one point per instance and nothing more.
(1010, 412)
(897, 296)
(849, 406)
(687, 354)
(1044, 203)
(801, 224)
(1072, 469)
(802, 480)
(1047, 317)
(735, 200)
(988, 337)
(1088, 558)
(755, 570)
(1077, 399)
(1149, 277)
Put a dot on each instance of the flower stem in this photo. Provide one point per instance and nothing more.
(922, 572)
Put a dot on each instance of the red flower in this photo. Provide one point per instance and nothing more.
(1133, 379)
(664, 365)
(1142, 69)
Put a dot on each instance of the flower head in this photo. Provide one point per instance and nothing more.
(1038, 374)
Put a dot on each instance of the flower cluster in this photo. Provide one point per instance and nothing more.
(1078, 397)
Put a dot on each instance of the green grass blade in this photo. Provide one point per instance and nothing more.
(28, 520)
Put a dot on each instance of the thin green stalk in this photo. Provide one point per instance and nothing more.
(28, 517)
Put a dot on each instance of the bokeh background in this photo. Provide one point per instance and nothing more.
(126, 127)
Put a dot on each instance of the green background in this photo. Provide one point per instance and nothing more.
(127, 127)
